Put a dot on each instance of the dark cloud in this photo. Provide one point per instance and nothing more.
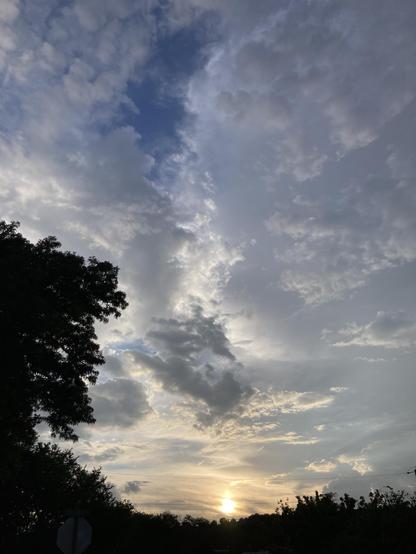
(191, 336)
(221, 396)
(114, 366)
(119, 402)
(181, 363)
(133, 487)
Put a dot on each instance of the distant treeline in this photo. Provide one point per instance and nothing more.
(50, 480)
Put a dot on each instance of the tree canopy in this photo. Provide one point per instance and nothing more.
(47, 484)
(50, 301)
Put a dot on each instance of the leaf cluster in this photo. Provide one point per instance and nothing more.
(50, 301)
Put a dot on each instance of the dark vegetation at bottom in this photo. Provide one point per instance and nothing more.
(44, 481)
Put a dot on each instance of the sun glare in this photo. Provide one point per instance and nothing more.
(227, 506)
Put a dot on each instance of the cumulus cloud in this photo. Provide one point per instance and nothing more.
(193, 357)
(358, 463)
(9, 10)
(119, 402)
(321, 466)
(62, 84)
(189, 337)
(282, 108)
(133, 487)
(274, 77)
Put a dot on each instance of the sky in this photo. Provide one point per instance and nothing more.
(250, 168)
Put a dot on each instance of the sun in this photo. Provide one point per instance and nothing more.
(227, 505)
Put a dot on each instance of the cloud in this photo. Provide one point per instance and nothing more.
(322, 466)
(272, 402)
(358, 463)
(119, 402)
(114, 365)
(193, 357)
(265, 418)
(192, 336)
(62, 88)
(9, 10)
(221, 394)
(108, 454)
(278, 109)
(133, 487)
(297, 79)
(292, 438)
(388, 330)
(333, 246)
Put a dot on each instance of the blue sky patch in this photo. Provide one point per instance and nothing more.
(160, 97)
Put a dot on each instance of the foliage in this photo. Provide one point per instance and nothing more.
(47, 483)
(49, 302)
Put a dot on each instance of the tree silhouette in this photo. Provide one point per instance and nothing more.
(47, 482)
(49, 303)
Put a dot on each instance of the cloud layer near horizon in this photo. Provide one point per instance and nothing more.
(251, 170)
